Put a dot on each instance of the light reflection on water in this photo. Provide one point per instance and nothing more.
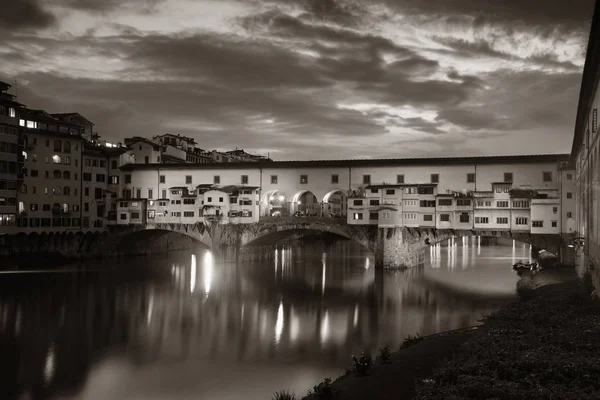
(190, 325)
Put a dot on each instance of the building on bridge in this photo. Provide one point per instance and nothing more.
(183, 205)
(498, 193)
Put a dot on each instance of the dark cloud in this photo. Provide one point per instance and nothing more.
(104, 6)
(18, 15)
(237, 64)
(572, 12)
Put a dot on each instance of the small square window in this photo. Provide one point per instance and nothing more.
(435, 178)
(471, 178)
(188, 179)
(244, 179)
(400, 178)
(273, 179)
(508, 177)
(554, 224)
(569, 195)
(162, 179)
(366, 179)
(216, 179)
(569, 214)
(335, 178)
(303, 178)
(547, 176)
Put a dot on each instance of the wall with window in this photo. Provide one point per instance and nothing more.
(568, 188)
(545, 216)
(146, 153)
(98, 199)
(50, 196)
(10, 151)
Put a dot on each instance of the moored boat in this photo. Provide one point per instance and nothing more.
(522, 266)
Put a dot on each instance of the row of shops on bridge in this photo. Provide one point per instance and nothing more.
(232, 204)
(384, 205)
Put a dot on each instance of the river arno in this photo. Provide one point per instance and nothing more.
(187, 326)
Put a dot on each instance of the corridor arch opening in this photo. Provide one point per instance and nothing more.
(273, 203)
(334, 204)
(306, 203)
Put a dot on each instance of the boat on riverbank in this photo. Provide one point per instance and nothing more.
(522, 266)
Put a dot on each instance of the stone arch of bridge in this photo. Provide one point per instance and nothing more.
(548, 243)
(274, 234)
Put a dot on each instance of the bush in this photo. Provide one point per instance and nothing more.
(411, 340)
(384, 354)
(362, 365)
(284, 395)
(324, 391)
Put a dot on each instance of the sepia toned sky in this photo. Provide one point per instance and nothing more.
(308, 79)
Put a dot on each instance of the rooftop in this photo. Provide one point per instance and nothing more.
(520, 159)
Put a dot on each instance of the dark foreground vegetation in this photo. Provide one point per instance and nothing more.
(545, 346)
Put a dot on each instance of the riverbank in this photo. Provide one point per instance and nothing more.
(544, 343)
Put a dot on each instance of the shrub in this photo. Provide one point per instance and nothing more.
(284, 395)
(324, 391)
(384, 354)
(362, 365)
(411, 340)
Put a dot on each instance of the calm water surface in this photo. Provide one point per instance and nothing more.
(188, 326)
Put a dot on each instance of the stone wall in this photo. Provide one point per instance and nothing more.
(79, 245)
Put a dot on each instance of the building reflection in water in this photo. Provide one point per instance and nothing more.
(153, 313)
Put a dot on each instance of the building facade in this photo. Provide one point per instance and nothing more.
(11, 158)
(50, 196)
(585, 156)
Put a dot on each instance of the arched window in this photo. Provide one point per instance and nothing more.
(23, 188)
(56, 174)
(56, 190)
(57, 145)
(56, 159)
(65, 208)
(67, 147)
(66, 175)
(66, 191)
(113, 164)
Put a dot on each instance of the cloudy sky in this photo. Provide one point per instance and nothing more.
(308, 79)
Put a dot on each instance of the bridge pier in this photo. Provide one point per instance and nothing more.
(397, 248)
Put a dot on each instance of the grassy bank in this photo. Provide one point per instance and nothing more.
(543, 346)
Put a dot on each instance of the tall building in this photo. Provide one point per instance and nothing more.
(50, 195)
(585, 153)
(11, 157)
